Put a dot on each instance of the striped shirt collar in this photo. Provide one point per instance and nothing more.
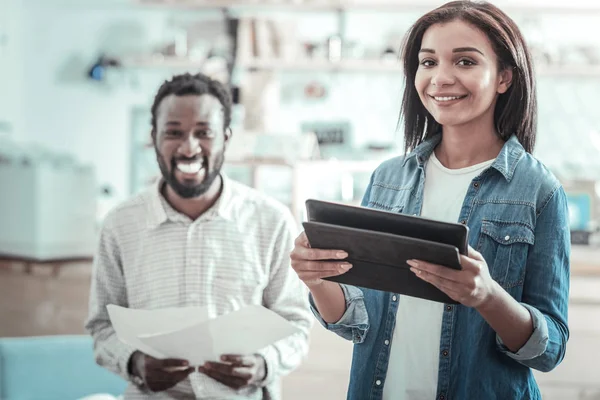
(160, 211)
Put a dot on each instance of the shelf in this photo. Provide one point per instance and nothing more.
(323, 65)
(161, 62)
(392, 66)
(319, 165)
(290, 5)
(511, 6)
(158, 62)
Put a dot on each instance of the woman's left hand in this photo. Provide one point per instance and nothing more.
(472, 286)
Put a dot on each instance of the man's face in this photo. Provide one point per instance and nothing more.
(190, 142)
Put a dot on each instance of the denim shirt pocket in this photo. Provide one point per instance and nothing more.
(504, 246)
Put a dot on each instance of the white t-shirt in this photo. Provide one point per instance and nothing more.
(414, 357)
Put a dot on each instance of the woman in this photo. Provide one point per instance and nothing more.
(469, 112)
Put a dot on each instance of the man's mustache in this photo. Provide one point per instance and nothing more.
(175, 160)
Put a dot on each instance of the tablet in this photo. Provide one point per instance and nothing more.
(379, 243)
(453, 234)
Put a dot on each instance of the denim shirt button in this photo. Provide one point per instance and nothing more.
(378, 382)
(507, 238)
(464, 222)
(442, 397)
(445, 353)
(394, 298)
(448, 308)
(387, 342)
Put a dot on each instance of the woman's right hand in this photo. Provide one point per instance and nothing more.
(309, 265)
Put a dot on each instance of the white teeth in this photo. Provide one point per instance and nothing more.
(189, 168)
(447, 98)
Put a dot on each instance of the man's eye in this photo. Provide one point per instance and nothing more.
(205, 134)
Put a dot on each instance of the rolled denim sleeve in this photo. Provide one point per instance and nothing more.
(546, 288)
(537, 342)
(354, 323)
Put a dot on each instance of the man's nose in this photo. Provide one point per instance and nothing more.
(190, 146)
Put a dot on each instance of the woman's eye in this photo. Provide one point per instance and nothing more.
(427, 63)
(466, 63)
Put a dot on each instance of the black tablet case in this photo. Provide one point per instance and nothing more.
(453, 234)
(379, 243)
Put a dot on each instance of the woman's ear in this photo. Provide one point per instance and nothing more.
(505, 80)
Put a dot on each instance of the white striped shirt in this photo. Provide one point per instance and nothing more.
(237, 253)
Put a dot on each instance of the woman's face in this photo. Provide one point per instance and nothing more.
(458, 79)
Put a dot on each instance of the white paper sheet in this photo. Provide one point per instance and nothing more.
(188, 333)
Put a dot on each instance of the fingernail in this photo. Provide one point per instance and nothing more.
(346, 266)
(341, 254)
(412, 263)
(416, 271)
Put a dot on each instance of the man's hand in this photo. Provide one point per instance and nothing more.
(236, 371)
(159, 375)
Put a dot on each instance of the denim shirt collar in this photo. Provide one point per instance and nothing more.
(505, 163)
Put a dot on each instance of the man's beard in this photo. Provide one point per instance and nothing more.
(190, 191)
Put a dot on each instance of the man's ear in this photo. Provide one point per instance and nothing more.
(153, 135)
(506, 78)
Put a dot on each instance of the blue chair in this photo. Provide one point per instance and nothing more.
(53, 368)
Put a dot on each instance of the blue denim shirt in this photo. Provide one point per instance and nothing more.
(516, 212)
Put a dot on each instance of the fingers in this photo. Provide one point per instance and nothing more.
(174, 369)
(319, 267)
(309, 275)
(228, 374)
(422, 268)
(222, 368)
(159, 380)
(227, 380)
(170, 363)
(323, 266)
(302, 251)
(302, 240)
(472, 265)
(238, 360)
(180, 375)
(472, 253)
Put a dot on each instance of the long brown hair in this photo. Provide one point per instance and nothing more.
(516, 109)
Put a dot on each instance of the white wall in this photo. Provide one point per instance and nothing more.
(64, 110)
(10, 67)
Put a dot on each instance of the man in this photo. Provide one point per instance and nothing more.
(197, 238)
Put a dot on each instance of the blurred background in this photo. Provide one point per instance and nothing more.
(317, 87)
